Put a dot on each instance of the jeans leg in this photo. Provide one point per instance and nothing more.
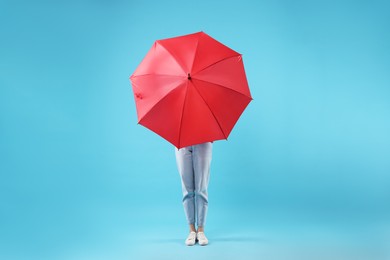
(186, 171)
(202, 154)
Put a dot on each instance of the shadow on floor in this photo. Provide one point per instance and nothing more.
(212, 240)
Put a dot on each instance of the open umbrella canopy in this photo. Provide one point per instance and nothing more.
(190, 89)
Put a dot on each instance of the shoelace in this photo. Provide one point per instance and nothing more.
(191, 236)
(201, 235)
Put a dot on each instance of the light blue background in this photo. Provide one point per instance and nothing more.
(306, 170)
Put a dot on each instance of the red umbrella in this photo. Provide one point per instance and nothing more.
(190, 89)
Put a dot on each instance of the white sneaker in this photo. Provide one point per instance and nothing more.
(202, 239)
(191, 239)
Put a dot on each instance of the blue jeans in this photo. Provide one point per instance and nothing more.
(193, 163)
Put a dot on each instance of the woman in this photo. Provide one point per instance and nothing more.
(193, 163)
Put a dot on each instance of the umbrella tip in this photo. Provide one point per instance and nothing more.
(189, 76)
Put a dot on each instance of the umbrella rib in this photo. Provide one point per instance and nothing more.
(182, 113)
(212, 64)
(224, 87)
(153, 74)
(196, 52)
(175, 58)
(161, 99)
(216, 119)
